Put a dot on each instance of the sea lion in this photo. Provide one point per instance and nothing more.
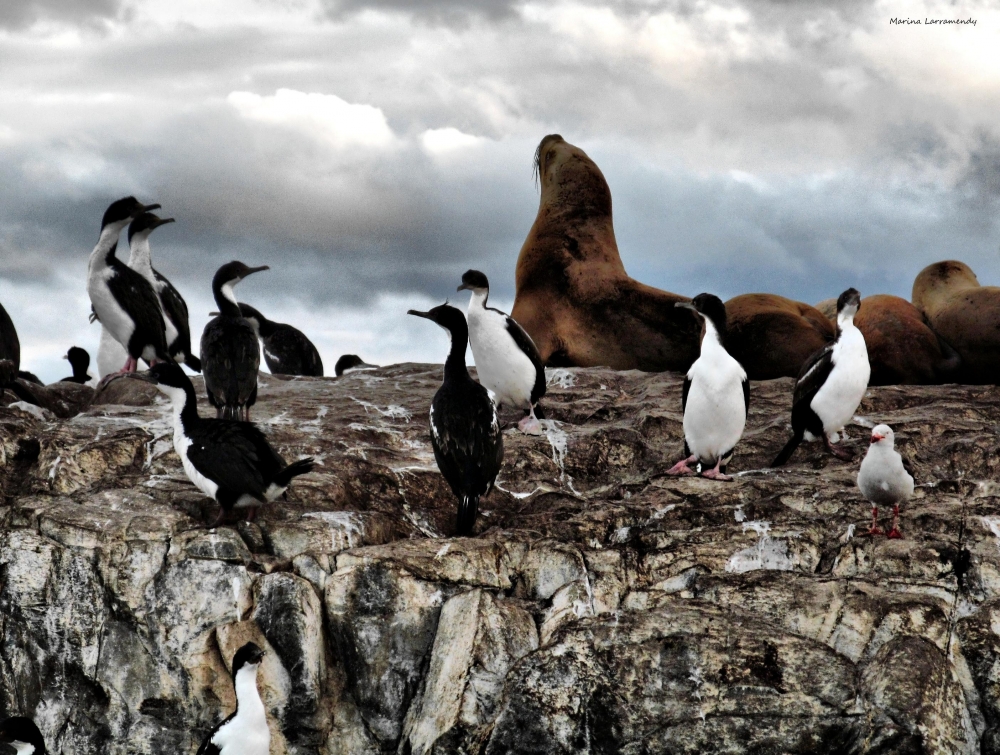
(964, 314)
(902, 347)
(573, 296)
(772, 336)
(829, 308)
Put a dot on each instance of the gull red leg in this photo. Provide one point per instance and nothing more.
(894, 532)
(875, 529)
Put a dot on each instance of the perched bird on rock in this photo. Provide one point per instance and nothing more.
(175, 311)
(507, 361)
(230, 355)
(465, 431)
(227, 460)
(884, 478)
(79, 360)
(22, 734)
(122, 299)
(715, 399)
(351, 363)
(832, 383)
(245, 731)
(287, 351)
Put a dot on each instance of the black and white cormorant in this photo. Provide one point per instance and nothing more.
(287, 351)
(175, 311)
(351, 363)
(227, 460)
(245, 731)
(230, 356)
(831, 385)
(465, 431)
(10, 360)
(22, 734)
(123, 300)
(507, 361)
(715, 398)
(79, 360)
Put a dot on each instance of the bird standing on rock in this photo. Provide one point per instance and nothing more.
(172, 304)
(715, 399)
(884, 478)
(22, 734)
(349, 363)
(79, 360)
(123, 300)
(230, 356)
(287, 351)
(465, 430)
(831, 385)
(507, 361)
(245, 731)
(227, 460)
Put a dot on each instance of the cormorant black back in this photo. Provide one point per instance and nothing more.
(22, 734)
(287, 351)
(465, 430)
(351, 363)
(229, 461)
(230, 355)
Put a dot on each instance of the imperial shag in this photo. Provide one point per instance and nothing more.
(831, 385)
(245, 731)
(22, 734)
(123, 300)
(507, 361)
(465, 431)
(175, 311)
(715, 398)
(230, 356)
(227, 460)
(287, 351)
(351, 363)
(79, 360)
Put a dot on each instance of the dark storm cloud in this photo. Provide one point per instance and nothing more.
(446, 12)
(18, 14)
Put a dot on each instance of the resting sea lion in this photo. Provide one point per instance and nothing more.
(964, 314)
(574, 297)
(772, 336)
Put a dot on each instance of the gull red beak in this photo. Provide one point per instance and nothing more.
(876, 437)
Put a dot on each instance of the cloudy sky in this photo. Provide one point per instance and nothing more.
(370, 153)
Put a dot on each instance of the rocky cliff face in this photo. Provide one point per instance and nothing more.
(603, 608)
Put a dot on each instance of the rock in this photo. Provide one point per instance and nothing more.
(602, 607)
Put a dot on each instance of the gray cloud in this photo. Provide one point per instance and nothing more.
(20, 14)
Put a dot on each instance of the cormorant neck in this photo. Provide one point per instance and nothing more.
(138, 258)
(247, 697)
(713, 338)
(107, 244)
(225, 299)
(184, 402)
(479, 298)
(454, 366)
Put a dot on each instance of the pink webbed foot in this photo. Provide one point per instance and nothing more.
(529, 425)
(681, 468)
(715, 474)
(841, 453)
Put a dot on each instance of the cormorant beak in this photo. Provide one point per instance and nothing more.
(252, 270)
(214, 314)
(162, 221)
(464, 287)
(425, 315)
(686, 305)
(66, 356)
(148, 208)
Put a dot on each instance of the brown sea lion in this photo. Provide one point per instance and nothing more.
(772, 336)
(574, 297)
(964, 314)
(829, 308)
(902, 348)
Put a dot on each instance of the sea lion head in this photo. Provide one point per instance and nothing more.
(938, 283)
(571, 182)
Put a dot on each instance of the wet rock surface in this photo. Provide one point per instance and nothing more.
(602, 608)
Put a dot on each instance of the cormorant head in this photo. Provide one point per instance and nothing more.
(169, 378)
(351, 362)
(710, 307)
(145, 224)
(22, 734)
(445, 315)
(474, 281)
(79, 360)
(120, 213)
(249, 655)
(848, 303)
(230, 274)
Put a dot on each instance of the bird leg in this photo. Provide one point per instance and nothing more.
(875, 529)
(218, 519)
(894, 533)
(840, 453)
(715, 474)
(529, 424)
(251, 513)
(130, 367)
(682, 468)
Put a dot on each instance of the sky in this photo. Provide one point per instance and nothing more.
(370, 151)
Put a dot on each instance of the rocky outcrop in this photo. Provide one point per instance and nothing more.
(602, 607)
